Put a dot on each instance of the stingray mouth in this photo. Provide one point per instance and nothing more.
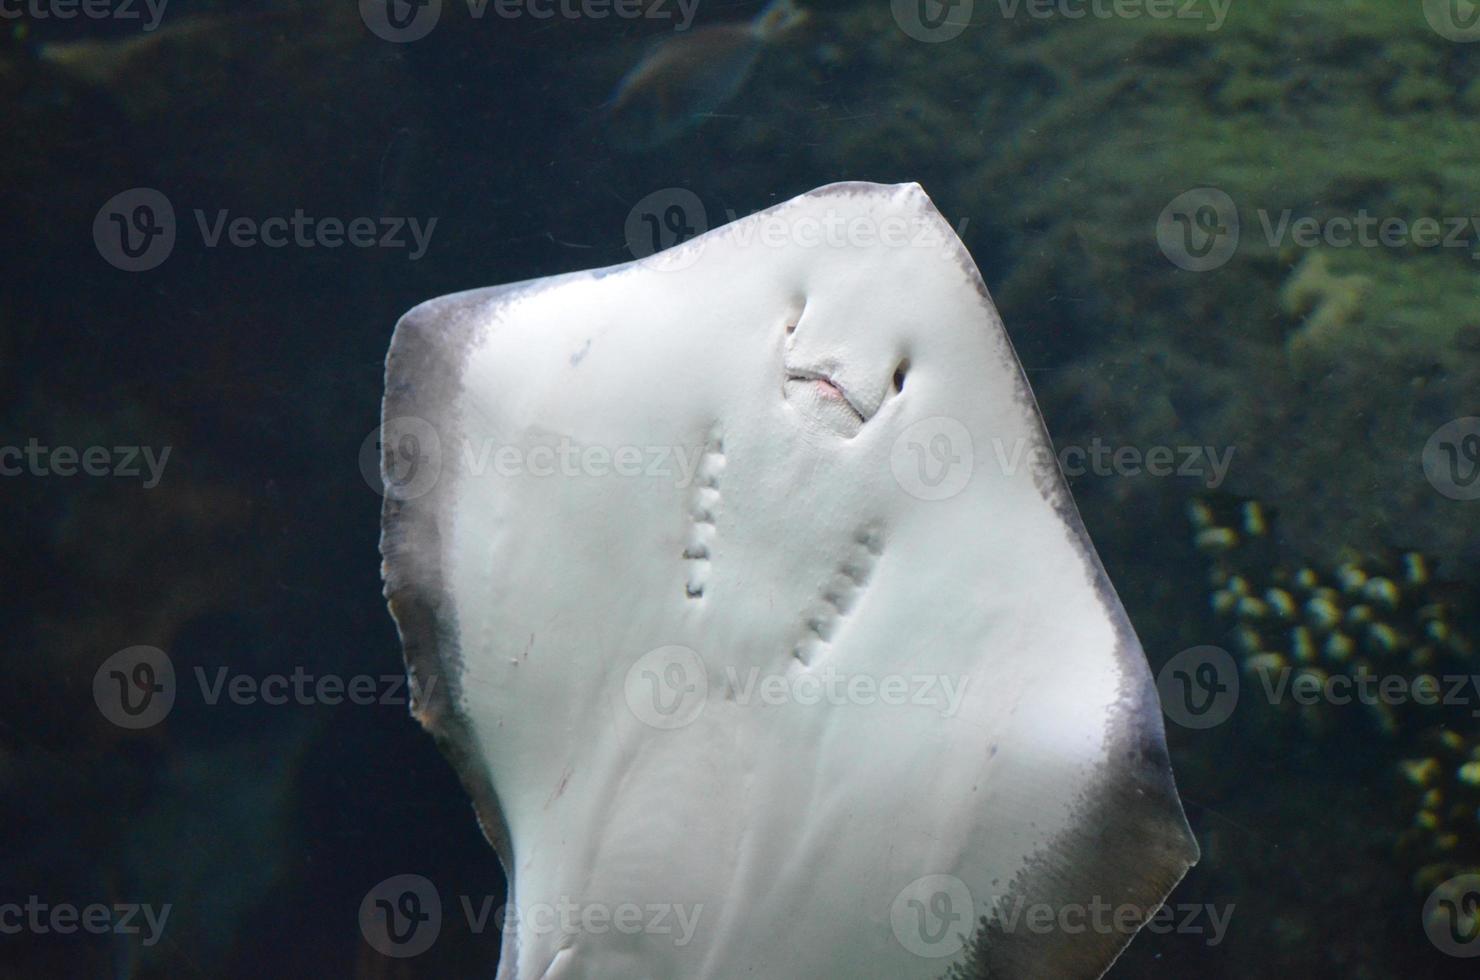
(823, 399)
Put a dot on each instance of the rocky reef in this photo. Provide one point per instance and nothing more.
(1326, 356)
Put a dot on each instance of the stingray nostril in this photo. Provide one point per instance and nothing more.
(799, 308)
(899, 373)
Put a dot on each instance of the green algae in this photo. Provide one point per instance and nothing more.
(1063, 141)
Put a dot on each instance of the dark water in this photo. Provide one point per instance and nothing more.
(1232, 245)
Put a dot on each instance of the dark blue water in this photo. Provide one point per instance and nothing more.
(1233, 249)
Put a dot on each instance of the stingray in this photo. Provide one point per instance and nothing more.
(741, 587)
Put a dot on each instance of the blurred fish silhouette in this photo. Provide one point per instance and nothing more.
(683, 79)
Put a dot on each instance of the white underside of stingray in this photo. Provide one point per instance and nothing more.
(764, 631)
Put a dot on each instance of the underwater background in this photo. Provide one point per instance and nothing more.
(1234, 244)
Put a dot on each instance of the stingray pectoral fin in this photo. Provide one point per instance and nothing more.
(419, 440)
(1099, 879)
(795, 697)
(428, 448)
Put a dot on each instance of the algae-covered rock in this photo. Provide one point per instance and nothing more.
(1326, 362)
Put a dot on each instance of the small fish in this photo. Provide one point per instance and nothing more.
(684, 79)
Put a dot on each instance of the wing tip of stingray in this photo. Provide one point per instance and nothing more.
(1138, 840)
(424, 368)
(910, 196)
(1129, 845)
(868, 188)
(428, 353)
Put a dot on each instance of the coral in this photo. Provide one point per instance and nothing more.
(1329, 304)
